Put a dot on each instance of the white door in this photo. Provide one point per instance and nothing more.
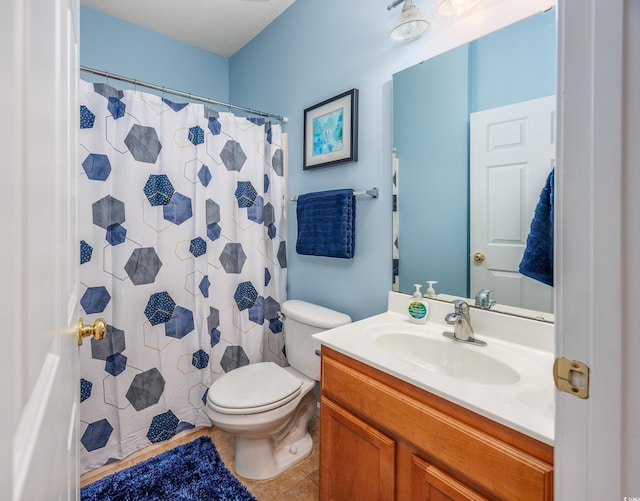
(512, 151)
(39, 251)
(597, 445)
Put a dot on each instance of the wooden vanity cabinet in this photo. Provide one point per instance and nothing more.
(384, 439)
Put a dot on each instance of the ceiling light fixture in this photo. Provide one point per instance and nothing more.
(410, 24)
(456, 8)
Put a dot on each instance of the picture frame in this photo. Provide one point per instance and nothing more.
(331, 131)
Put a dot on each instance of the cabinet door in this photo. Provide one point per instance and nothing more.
(357, 462)
(432, 484)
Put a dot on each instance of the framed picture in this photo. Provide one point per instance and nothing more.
(331, 131)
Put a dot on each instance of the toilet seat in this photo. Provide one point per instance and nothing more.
(252, 389)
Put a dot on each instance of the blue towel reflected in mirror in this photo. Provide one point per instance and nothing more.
(537, 260)
(327, 223)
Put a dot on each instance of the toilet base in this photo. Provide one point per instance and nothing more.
(257, 460)
(261, 458)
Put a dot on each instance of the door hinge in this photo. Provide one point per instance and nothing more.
(572, 377)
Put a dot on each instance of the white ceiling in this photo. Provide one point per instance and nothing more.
(219, 26)
(225, 26)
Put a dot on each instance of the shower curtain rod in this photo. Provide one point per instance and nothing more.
(181, 94)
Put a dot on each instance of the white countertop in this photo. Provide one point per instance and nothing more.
(526, 346)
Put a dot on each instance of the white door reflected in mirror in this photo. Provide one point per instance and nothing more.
(512, 151)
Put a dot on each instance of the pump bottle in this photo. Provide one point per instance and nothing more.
(418, 308)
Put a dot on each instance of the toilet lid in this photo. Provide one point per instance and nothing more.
(253, 388)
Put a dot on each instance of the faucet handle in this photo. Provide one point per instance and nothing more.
(461, 307)
(483, 300)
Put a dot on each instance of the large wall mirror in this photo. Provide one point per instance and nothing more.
(474, 144)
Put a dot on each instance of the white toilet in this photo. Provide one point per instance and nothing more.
(268, 407)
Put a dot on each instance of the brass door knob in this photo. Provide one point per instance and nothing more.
(97, 330)
(479, 257)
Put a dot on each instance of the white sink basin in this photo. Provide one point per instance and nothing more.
(509, 380)
(449, 358)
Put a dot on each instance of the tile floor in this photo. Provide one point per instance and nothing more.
(300, 483)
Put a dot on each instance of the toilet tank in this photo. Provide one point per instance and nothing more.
(301, 321)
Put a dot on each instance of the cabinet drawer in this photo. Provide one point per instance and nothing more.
(431, 483)
(479, 459)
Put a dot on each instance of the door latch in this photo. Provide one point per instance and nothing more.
(572, 377)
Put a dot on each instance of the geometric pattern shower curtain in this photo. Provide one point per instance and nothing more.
(182, 252)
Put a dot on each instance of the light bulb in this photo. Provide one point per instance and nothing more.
(410, 25)
(458, 6)
(454, 8)
(408, 28)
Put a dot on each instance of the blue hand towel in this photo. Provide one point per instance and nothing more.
(327, 223)
(537, 260)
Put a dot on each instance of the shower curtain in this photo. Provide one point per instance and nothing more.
(182, 252)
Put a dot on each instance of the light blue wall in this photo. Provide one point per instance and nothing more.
(431, 122)
(312, 52)
(514, 64)
(110, 44)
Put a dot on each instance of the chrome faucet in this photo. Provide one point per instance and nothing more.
(461, 321)
(483, 300)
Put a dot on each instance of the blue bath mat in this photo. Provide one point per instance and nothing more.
(192, 471)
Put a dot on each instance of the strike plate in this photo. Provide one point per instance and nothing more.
(571, 376)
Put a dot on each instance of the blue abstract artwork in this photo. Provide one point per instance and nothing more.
(327, 132)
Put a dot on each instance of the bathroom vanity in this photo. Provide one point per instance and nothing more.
(392, 427)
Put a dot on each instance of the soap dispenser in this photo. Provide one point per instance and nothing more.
(431, 292)
(418, 307)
